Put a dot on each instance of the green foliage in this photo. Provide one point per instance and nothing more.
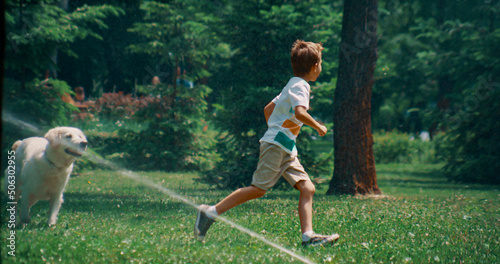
(38, 103)
(170, 139)
(321, 104)
(176, 36)
(473, 142)
(36, 30)
(432, 55)
(397, 147)
(160, 133)
(391, 147)
(428, 54)
(238, 148)
(180, 34)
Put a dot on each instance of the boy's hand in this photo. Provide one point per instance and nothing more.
(304, 117)
(322, 130)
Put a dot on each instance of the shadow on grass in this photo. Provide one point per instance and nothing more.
(435, 184)
(127, 207)
(144, 208)
(437, 174)
(433, 179)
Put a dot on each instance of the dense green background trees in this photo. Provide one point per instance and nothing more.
(437, 71)
(37, 30)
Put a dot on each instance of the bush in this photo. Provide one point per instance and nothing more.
(473, 142)
(120, 106)
(38, 103)
(155, 132)
(397, 147)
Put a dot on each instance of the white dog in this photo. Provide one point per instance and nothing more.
(43, 167)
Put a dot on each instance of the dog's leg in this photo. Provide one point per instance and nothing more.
(27, 202)
(55, 205)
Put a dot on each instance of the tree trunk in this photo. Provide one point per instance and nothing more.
(354, 171)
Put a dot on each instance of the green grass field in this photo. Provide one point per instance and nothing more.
(109, 218)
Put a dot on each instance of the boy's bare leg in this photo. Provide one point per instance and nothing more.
(238, 197)
(307, 191)
(206, 214)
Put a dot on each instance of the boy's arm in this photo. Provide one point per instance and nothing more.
(268, 110)
(303, 116)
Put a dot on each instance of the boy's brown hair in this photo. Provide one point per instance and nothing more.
(304, 56)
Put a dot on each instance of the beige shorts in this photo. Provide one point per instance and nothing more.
(274, 162)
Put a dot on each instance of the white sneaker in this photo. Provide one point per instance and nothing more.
(316, 240)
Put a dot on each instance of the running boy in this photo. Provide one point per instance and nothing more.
(285, 115)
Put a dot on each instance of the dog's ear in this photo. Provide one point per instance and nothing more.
(16, 145)
(53, 136)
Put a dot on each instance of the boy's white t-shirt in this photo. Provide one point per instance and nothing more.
(284, 127)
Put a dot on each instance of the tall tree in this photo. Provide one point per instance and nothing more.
(354, 171)
(182, 35)
(37, 28)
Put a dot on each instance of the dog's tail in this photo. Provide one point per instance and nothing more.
(16, 144)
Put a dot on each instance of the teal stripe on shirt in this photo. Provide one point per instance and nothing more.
(285, 141)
